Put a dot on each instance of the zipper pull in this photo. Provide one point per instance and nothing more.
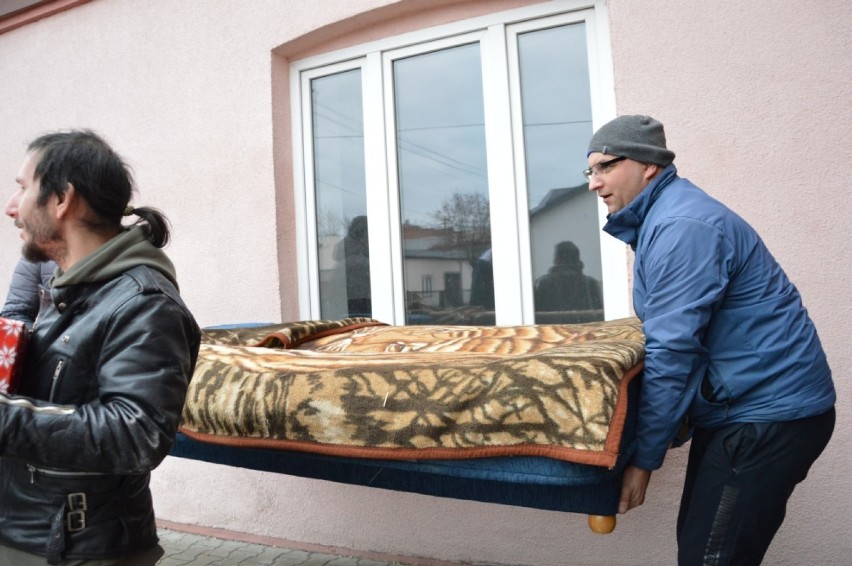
(32, 473)
(58, 369)
(55, 380)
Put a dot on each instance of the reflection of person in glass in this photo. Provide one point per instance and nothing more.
(482, 287)
(564, 287)
(353, 255)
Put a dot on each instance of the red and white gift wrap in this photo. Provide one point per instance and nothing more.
(13, 342)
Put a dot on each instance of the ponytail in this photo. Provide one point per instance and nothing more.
(153, 222)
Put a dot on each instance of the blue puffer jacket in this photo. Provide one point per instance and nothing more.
(727, 337)
(22, 302)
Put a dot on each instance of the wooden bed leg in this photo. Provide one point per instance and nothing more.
(602, 524)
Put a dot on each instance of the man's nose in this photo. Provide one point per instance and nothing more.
(594, 183)
(12, 206)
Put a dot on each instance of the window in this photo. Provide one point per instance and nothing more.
(452, 157)
(340, 190)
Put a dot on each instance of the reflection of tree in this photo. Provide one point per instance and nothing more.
(466, 219)
(331, 223)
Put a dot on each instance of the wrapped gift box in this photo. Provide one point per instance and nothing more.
(13, 342)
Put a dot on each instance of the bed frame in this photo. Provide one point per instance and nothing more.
(534, 481)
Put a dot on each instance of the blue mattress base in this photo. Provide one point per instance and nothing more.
(540, 483)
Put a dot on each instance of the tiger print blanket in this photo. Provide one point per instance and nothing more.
(359, 388)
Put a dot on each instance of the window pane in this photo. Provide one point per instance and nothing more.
(564, 231)
(340, 189)
(443, 187)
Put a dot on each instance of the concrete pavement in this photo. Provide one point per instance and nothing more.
(187, 549)
(209, 547)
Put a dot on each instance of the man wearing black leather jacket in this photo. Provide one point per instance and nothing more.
(107, 367)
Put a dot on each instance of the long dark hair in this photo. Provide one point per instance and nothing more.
(99, 175)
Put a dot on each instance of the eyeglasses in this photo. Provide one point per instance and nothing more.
(599, 169)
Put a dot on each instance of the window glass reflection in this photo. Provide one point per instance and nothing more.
(563, 217)
(444, 202)
(340, 191)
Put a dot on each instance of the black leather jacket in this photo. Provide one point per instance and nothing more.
(106, 376)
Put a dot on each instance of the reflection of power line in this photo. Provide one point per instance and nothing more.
(340, 137)
(355, 123)
(331, 115)
(564, 123)
(441, 158)
(445, 160)
(444, 127)
(358, 194)
(346, 122)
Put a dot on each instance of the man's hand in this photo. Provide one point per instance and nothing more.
(633, 487)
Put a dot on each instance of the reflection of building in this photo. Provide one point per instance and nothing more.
(439, 268)
(437, 273)
(566, 214)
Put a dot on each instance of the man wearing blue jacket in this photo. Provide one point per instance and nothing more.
(730, 351)
(23, 300)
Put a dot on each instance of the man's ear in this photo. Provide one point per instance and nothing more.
(65, 202)
(651, 170)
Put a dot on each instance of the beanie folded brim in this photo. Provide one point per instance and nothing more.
(640, 138)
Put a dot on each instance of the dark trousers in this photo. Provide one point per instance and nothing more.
(738, 481)
(13, 557)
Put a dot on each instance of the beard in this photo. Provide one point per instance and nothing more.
(44, 239)
(32, 252)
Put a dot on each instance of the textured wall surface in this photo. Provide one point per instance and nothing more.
(755, 97)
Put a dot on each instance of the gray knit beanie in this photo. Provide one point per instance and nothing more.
(640, 138)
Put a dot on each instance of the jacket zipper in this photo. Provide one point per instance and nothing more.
(55, 379)
(58, 473)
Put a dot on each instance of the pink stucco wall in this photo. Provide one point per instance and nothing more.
(755, 97)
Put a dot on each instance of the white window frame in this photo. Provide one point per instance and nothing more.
(504, 146)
